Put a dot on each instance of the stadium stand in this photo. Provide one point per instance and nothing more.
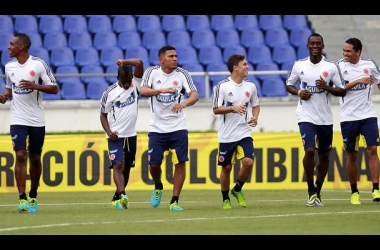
(123, 23)
(50, 23)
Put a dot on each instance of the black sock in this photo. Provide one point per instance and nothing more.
(310, 187)
(174, 199)
(122, 193)
(159, 186)
(239, 185)
(375, 186)
(22, 196)
(225, 195)
(354, 188)
(318, 187)
(33, 192)
(116, 196)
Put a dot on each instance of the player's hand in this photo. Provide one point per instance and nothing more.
(114, 135)
(240, 109)
(119, 62)
(305, 94)
(3, 99)
(366, 80)
(24, 84)
(252, 122)
(321, 83)
(178, 107)
(168, 90)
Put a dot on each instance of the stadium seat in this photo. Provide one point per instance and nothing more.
(50, 23)
(46, 96)
(251, 37)
(274, 87)
(111, 69)
(41, 53)
(270, 22)
(109, 56)
(54, 40)
(97, 23)
(92, 69)
(295, 22)
(214, 67)
(302, 52)
(255, 81)
(243, 22)
(62, 56)
(25, 24)
(298, 37)
(210, 54)
(230, 50)
(148, 22)
(2, 81)
(95, 90)
(259, 53)
(128, 39)
(199, 81)
(67, 69)
(6, 24)
(288, 65)
(73, 91)
(179, 38)
(5, 58)
(104, 40)
(5, 39)
(173, 22)
(35, 38)
(226, 38)
(123, 23)
(153, 56)
(197, 22)
(75, 23)
(87, 56)
(202, 38)
(276, 36)
(139, 52)
(283, 53)
(222, 22)
(186, 55)
(265, 66)
(79, 40)
(153, 39)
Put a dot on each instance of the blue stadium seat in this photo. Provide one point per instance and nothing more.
(298, 37)
(80, 40)
(73, 91)
(122, 23)
(270, 22)
(283, 53)
(173, 22)
(179, 38)
(54, 40)
(95, 90)
(295, 22)
(138, 52)
(243, 22)
(202, 38)
(288, 65)
(148, 22)
(226, 38)
(92, 69)
(46, 96)
(6, 24)
(36, 40)
(97, 23)
(5, 39)
(302, 52)
(5, 58)
(186, 55)
(111, 69)
(128, 39)
(197, 22)
(153, 56)
(25, 24)
(2, 81)
(265, 66)
(259, 53)
(222, 22)
(75, 23)
(199, 81)
(153, 39)
(104, 40)
(214, 67)
(210, 54)
(67, 69)
(276, 36)
(251, 37)
(274, 87)
(62, 56)
(50, 23)
(254, 80)
(41, 53)
(87, 56)
(230, 50)
(109, 56)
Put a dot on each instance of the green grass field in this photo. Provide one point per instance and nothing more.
(269, 212)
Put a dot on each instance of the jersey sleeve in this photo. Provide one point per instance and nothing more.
(105, 103)
(8, 82)
(147, 77)
(254, 97)
(294, 75)
(137, 82)
(188, 82)
(337, 77)
(217, 97)
(46, 74)
(376, 73)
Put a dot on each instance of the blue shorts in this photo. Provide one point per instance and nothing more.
(123, 150)
(352, 130)
(318, 136)
(240, 149)
(160, 144)
(28, 138)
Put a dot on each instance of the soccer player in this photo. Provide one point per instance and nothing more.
(231, 99)
(165, 85)
(24, 83)
(313, 112)
(118, 116)
(358, 115)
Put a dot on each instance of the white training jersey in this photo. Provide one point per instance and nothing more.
(317, 109)
(357, 104)
(233, 126)
(163, 119)
(26, 108)
(121, 105)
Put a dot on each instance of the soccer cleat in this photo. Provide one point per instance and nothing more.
(226, 204)
(376, 195)
(33, 205)
(23, 205)
(311, 200)
(155, 199)
(355, 199)
(175, 206)
(117, 204)
(318, 202)
(240, 198)
(124, 201)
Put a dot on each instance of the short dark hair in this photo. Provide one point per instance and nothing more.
(315, 34)
(356, 43)
(125, 71)
(24, 39)
(164, 49)
(234, 60)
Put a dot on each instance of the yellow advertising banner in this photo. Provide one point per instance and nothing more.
(80, 163)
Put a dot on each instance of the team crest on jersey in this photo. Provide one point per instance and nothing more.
(175, 83)
(221, 158)
(246, 93)
(113, 157)
(366, 71)
(32, 73)
(325, 74)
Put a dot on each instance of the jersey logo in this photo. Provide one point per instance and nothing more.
(345, 72)
(18, 90)
(32, 73)
(366, 71)
(230, 94)
(325, 74)
(165, 98)
(221, 158)
(175, 83)
(131, 99)
(247, 94)
(301, 74)
(158, 82)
